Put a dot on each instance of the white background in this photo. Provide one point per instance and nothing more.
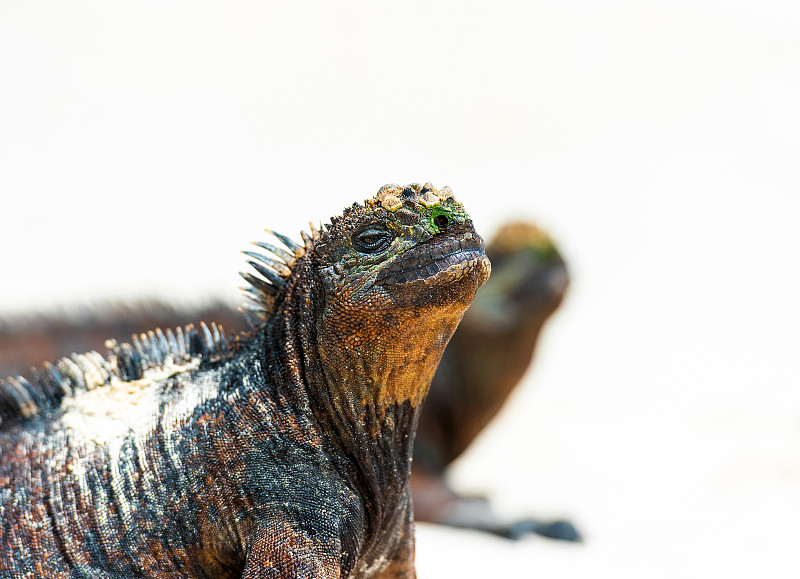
(143, 144)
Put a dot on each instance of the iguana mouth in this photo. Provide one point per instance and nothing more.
(433, 261)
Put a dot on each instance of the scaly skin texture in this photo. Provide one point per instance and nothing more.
(286, 457)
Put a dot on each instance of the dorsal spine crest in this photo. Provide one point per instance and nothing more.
(69, 376)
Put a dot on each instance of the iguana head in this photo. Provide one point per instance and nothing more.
(392, 278)
(407, 246)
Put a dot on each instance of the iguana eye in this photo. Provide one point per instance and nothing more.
(373, 238)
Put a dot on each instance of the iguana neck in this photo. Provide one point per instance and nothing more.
(364, 380)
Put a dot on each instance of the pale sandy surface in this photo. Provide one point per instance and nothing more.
(142, 146)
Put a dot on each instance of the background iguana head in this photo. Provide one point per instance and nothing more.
(528, 283)
(492, 350)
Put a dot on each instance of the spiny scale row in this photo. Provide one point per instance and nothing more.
(155, 348)
(20, 397)
(274, 268)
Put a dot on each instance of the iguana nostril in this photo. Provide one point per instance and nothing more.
(441, 221)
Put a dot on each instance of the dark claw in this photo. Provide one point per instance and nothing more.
(476, 513)
(560, 530)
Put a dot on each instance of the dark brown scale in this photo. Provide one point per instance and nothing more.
(406, 217)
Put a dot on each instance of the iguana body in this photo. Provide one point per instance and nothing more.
(486, 359)
(286, 455)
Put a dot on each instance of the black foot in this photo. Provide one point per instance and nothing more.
(560, 530)
(476, 513)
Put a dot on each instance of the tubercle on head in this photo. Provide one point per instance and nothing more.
(436, 209)
(390, 196)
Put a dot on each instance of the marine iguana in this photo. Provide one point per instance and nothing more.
(486, 359)
(283, 454)
(484, 362)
